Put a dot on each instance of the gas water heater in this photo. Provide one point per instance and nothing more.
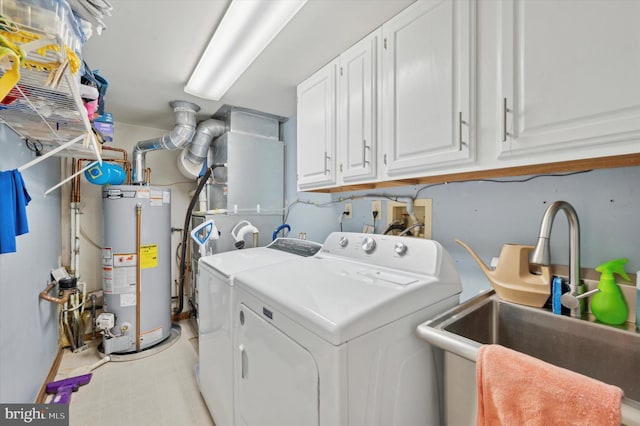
(136, 267)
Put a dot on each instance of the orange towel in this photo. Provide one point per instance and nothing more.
(517, 389)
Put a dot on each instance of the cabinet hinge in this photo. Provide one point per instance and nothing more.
(385, 43)
(385, 159)
(340, 167)
(341, 71)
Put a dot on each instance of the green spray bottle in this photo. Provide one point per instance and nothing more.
(608, 305)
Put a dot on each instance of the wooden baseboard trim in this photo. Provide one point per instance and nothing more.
(53, 371)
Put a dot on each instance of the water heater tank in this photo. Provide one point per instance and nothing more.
(128, 210)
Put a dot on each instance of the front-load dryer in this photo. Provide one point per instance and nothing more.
(215, 299)
(331, 341)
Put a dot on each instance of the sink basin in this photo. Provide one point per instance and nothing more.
(607, 353)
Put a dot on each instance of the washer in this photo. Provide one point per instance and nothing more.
(331, 340)
(215, 299)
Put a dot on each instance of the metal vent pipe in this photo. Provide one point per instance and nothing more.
(191, 159)
(181, 135)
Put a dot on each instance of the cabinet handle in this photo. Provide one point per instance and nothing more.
(326, 168)
(460, 123)
(504, 119)
(364, 153)
(243, 362)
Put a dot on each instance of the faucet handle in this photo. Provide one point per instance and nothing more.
(572, 301)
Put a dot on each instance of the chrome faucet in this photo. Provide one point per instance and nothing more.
(541, 256)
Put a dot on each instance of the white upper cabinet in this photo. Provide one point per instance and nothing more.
(428, 85)
(316, 129)
(358, 88)
(570, 78)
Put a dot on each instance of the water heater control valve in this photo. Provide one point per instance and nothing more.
(106, 321)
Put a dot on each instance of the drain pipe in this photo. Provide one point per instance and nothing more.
(180, 136)
(191, 158)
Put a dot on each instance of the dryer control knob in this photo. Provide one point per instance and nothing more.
(343, 242)
(401, 249)
(368, 245)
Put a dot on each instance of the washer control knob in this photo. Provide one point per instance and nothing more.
(368, 245)
(400, 248)
(344, 241)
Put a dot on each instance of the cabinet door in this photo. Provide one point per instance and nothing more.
(569, 77)
(357, 110)
(428, 63)
(317, 129)
(277, 379)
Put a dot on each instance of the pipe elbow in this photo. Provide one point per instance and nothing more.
(191, 159)
(44, 295)
(180, 136)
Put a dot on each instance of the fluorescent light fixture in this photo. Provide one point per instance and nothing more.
(246, 29)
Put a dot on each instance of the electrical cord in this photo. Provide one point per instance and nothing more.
(86, 237)
(178, 258)
(34, 146)
(398, 198)
(527, 179)
(375, 215)
(342, 215)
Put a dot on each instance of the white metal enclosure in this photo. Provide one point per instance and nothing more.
(136, 266)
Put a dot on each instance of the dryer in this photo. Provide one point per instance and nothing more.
(215, 300)
(331, 340)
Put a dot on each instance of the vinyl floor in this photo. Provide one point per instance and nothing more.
(157, 390)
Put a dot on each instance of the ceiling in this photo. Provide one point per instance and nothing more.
(150, 47)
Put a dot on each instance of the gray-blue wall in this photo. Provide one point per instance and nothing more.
(28, 325)
(487, 215)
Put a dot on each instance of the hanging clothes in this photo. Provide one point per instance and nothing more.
(14, 199)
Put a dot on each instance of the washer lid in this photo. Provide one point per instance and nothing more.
(339, 299)
(230, 263)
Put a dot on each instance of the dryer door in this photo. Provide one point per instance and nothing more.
(277, 379)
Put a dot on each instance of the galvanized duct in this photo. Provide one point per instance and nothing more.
(191, 159)
(181, 135)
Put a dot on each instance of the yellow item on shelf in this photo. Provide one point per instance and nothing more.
(11, 57)
(74, 61)
(24, 37)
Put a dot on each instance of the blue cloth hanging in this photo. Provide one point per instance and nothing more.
(14, 199)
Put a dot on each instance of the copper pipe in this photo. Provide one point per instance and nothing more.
(138, 268)
(120, 150)
(44, 294)
(73, 182)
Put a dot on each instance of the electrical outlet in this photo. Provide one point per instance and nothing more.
(376, 206)
(348, 210)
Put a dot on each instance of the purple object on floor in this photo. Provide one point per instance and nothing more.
(65, 387)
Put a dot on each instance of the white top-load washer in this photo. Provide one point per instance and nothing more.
(330, 339)
(215, 300)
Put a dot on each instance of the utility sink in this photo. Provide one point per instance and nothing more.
(607, 353)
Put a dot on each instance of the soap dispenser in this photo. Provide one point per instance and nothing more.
(608, 305)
